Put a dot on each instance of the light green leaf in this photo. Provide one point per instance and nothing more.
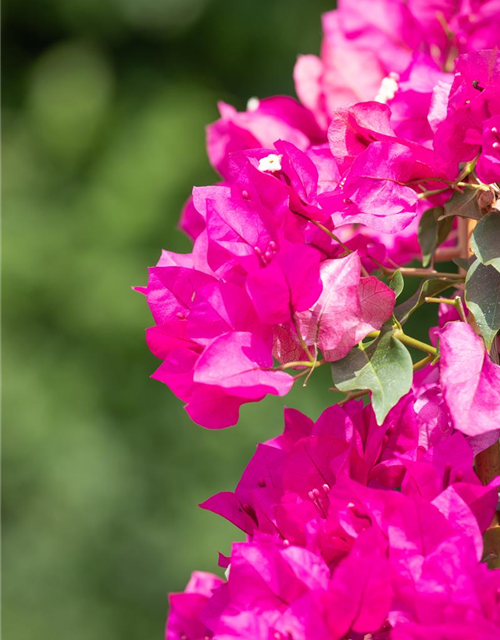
(485, 240)
(463, 204)
(432, 231)
(397, 283)
(384, 367)
(482, 296)
(428, 288)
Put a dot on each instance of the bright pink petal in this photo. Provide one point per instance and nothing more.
(470, 381)
(239, 363)
(359, 594)
(347, 310)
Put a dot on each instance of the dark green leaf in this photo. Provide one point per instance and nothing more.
(432, 231)
(485, 241)
(482, 296)
(427, 233)
(397, 282)
(384, 367)
(463, 204)
(428, 288)
(464, 263)
(444, 228)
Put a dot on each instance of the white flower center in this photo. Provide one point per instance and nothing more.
(272, 163)
(388, 88)
(253, 104)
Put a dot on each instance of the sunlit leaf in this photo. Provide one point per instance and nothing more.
(482, 296)
(485, 240)
(384, 367)
(397, 282)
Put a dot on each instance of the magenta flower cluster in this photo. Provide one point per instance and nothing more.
(353, 528)
(367, 524)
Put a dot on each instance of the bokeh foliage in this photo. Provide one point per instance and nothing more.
(104, 108)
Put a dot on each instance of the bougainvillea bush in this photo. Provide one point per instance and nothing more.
(378, 520)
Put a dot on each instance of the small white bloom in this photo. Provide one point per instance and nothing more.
(253, 104)
(388, 88)
(272, 163)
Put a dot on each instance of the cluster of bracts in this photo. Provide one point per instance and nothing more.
(368, 523)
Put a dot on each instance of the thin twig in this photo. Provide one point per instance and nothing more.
(408, 340)
(301, 374)
(301, 339)
(313, 366)
(455, 302)
(339, 242)
(473, 185)
(351, 396)
(428, 194)
(416, 344)
(422, 363)
(332, 235)
(424, 273)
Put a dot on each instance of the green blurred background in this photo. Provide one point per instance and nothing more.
(104, 108)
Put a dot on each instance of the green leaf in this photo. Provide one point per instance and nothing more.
(464, 263)
(397, 283)
(485, 240)
(384, 367)
(432, 231)
(428, 288)
(463, 204)
(482, 296)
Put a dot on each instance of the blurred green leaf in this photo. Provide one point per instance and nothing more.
(104, 110)
(70, 94)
